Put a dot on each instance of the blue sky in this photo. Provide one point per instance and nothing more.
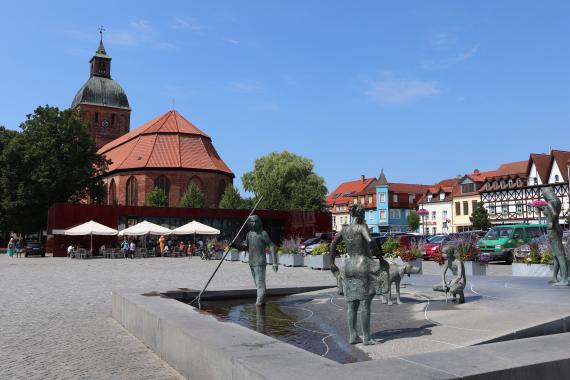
(424, 89)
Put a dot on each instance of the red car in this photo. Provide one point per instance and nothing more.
(433, 246)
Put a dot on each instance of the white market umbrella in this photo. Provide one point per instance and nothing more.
(195, 228)
(145, 228)
(91, 228)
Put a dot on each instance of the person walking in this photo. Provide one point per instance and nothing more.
(132, 249)
(125, 247)
(10, 248)
(19, 247)
(161, 242)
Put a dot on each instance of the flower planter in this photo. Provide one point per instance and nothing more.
(291, 260)
(473, 268)
(269, 258)
(532, 270)
(244, 257)
(318, 261)
(233, 256)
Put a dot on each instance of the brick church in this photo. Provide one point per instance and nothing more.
(168, 152)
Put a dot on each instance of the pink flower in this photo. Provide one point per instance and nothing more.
(423, 211)
(539, 203)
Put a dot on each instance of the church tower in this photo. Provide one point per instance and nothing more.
(102, 102)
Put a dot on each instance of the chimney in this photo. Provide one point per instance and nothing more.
(362, 178)
(476, 172)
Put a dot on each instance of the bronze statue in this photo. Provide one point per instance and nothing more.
(554, 231)
(256, 241)
(358, 274)
(397, 272)
(457, 284)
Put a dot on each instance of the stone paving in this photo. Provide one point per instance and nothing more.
(55, 318)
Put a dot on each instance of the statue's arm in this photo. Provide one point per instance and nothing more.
(371, 243)
(445, 267)
(272, 247)
(332, 248)
(241, 247)
(459, 276)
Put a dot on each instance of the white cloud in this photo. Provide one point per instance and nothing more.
(393, 91)
(232, 41)
(451, 61)
(185, 24)
(244, 87)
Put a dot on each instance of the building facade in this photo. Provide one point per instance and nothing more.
(466, 197)
(508, 195)
(438, 201)
(347, 193)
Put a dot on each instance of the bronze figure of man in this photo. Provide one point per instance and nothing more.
(358, 272)
(554, 232)
(256, 241)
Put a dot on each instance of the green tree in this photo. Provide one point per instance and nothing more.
(231, 198)
(193, 197)
(286, 182)
(157, 198)
(52, 160)
(480, 218)
(413, 220)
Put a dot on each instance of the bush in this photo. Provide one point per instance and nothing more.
(390, 248)
(290, 245)
(320, 249)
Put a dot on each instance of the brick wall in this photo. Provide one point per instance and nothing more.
(94, 115)
(212, 185)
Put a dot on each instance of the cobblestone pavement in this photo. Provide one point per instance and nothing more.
(55, 313)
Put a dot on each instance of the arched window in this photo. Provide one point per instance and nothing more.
(519, 182)
(132, 193)
(164, 184)
(556, 178)
(112, 198)
(196, 181)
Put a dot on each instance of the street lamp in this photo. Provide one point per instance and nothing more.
(423, 213)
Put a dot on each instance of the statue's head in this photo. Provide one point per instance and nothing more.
(254, 223)
(448, 252)
(410, 269)
(357, 213)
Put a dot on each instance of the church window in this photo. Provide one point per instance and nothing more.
(96, 117)
(113, 119)
(164, 184)
(132, 193)
(112, 198)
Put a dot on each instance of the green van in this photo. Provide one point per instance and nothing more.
(500, 241)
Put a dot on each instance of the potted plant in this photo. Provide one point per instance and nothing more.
(319, 258)
(391, 250)
(536, 263)
(290, 253)
(474, 262)
(412, 255)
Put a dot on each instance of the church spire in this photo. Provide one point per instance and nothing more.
(101, 62)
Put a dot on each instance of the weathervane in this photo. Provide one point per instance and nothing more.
(101, 30)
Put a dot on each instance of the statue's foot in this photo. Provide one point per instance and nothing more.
(552, 281)
(369, 342)
(399, 302)
(561, 283)
(354, 339)
(260, 304)
(384, 301)
(390, 303)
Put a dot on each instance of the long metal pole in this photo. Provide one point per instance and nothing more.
(228, 248)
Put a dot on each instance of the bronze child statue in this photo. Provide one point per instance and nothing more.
(256, 241)
(457, 284)
(359, 273)
(554, 231)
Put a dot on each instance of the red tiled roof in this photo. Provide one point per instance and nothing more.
(518, 167)
(409, 188)
(168, 141)
(562, 158)
(542, 163)
(339, 195)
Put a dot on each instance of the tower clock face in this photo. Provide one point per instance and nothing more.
(105, 123)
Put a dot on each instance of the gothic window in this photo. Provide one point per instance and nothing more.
(164, 184)
(112, 198)
(132, 193)
(96, 117)
(113, 119)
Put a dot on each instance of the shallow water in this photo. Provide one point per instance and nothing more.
(299, 320)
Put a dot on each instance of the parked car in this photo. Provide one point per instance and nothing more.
(406, 239)
(434, 245)
(308, 245)
(501, 241)
(34, 248)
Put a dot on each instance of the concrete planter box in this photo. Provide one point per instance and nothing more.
(318, 261)
(431, 267)
(244, 257)
(531, 270)
(475, 269)
(291, 260)
(233, 256)
(269, 258)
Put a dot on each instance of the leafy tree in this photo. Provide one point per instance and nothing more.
(52, 160)
(413, 220)
(286, 182)
(231, 198)
(193, 197)
(480, 218)
(157, 198)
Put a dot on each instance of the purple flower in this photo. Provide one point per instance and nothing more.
(539, 203)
